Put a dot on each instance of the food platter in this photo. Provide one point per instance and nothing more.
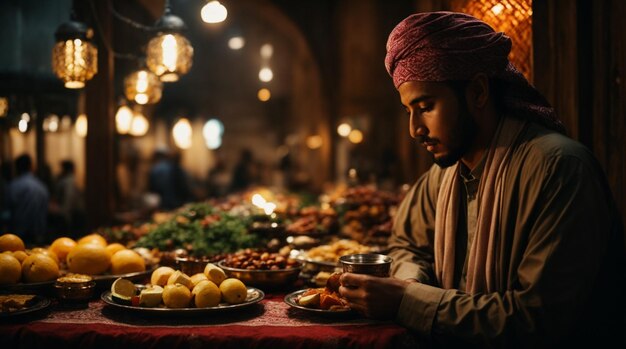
(254, 296)
(101, 281)
(39, 304)
(292, 300)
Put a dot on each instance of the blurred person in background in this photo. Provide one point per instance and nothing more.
(26, 203)
(69, 201)
(512, 239)
(244, 173)
(168, 180)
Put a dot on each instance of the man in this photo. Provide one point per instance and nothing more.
(512, 238)
(27, 203)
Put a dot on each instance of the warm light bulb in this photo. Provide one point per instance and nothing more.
(267, 50)
(355, 136)
(141, 98)
(497, 9)
(22, 126)
(170, 52)
(182, 134)
(213, 12)
(139, 126)
(142, 81)
(266, 74)
(236, 43)
(314, 142)
(344, 129)
(123, 119)
(81, 125)
(264, 95)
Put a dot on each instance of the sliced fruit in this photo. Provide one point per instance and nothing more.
(151, 297)
(180, 278)
(123, 290)
(214, 273)
(310, 301)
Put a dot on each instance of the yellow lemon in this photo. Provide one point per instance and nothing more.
(10, 269)
(91, 259)
(176, 296)
(196, 278)
(160, 275)
(39, 268)
(62, 247)
(206, 294)
(233, 291)
(214, 273)
(93, 239)
(127, 261)
(11, 242)
(178, 277)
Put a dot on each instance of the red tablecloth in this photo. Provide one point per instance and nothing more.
(269, 324)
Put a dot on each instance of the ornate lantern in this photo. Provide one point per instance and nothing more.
(169, 54)
(143, 87)
(74, 56)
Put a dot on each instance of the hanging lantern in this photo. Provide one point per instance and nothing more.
(74, 56)
(143, 87)
(169, 54)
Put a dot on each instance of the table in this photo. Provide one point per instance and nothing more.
(268, 324)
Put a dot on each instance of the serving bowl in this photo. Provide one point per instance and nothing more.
(268, 279)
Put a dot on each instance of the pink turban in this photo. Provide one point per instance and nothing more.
(444, 46)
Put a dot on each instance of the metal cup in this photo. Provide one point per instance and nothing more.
(368, 263)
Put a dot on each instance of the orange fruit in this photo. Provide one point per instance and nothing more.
(10, 269)
(233, 291)
(176, 296)
(93, 239)
(41, 250)
(39, 267)
(197, 278)
(20, 255)
(11, 242)
(62, 246)
(91, 259)
(127, 261)
(160, 275)
(206, 294)
(114, 247)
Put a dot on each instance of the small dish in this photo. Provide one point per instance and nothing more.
(292, 300)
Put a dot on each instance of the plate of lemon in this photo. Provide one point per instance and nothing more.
(173, 292)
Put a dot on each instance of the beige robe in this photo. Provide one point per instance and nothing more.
(559, 258)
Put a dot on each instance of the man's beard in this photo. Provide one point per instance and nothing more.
(465, 133)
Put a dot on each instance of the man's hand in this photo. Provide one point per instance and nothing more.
(373, 296)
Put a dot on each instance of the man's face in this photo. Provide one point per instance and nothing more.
(438, 120)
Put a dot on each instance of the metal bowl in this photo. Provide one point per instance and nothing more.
(367, 263)
(269, 279)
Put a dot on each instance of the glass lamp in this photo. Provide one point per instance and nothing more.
(169, 53)
(74, 55)
(143, 87)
